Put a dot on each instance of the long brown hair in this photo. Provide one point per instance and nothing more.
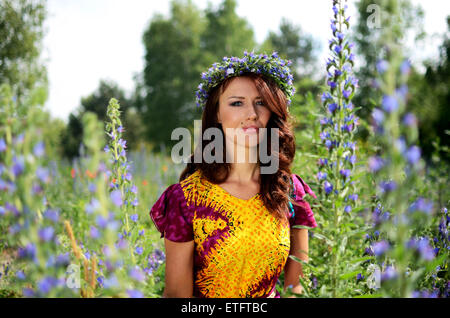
(274, 188)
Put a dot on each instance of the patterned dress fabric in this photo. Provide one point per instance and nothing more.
(240, 248)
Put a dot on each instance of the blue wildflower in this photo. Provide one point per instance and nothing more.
(2, 145)
(116, 197)
(333, 107)
(375, 163)
(413, 155)
(139, 250)
(382, 66)
(328, 187)
(39, 149)
(379, 248)
(338, 49)
(405, 67)
(332, 84)
(18, 165)
(409, 120)
(345, 173)
(389, 273)
(93, 205)
(346, 93)
(321, 175)
(135, 294)
(46, 284)
(137, 274)
(101, 221)
(46, 234)
(43, 174)
(20, 275)
(52, 215)
(94, 233)
(110, 282)
(388, 186)
(389, 103)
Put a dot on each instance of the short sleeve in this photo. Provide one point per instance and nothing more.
(172, 216)
(303, 214)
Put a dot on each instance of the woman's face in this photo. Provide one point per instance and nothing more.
(242, 112)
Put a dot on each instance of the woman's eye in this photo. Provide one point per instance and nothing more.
(260, 102)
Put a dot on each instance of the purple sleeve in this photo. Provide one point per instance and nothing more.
(303, 213)
(172, 216)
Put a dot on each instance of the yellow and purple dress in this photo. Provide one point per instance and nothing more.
(240, 248)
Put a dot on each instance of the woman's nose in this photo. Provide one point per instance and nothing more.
(251, 112)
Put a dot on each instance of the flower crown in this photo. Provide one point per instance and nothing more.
(271, 66)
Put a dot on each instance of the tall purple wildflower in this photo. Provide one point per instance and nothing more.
(338, 126)
(396, 167)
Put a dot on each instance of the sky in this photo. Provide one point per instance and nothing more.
(90, 40)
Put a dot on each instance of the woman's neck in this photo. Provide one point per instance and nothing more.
(244, 164)
(244, 173)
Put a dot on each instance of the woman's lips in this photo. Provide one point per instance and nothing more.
(251, 130)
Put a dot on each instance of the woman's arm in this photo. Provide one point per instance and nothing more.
(293, 269)
(179, 269)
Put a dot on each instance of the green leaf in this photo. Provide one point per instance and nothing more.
(362, 230)
(295, 258)
(343, 245)
(302, 227)
(321, 237)
(369, 296)
(431, 266)
(350, 274)
(305, 288)
(362, 259)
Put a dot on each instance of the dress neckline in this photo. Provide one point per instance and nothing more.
(235, 197)
(219, 188)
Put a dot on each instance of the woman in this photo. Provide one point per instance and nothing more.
(227, 226)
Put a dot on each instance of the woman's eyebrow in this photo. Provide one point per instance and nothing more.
(241, 97)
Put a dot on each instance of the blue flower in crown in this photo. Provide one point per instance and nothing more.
(271, 66)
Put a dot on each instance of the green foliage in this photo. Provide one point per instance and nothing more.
(294, 44)
(236, 34)
(430, 96)
(95, 103)
(173, 62)
(21, 32)
(369, 42)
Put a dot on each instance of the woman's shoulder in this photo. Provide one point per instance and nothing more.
(302, 212)
(172, 216)
(195, 186)
(301, 188)
(193, 180)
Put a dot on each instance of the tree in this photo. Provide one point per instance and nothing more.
(97, 103)
(369, 41)
(172, 70)
(21, 32)
(294, 44)
(431, 98)
(226, 33)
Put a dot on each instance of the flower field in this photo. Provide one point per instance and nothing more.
(81, 228)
